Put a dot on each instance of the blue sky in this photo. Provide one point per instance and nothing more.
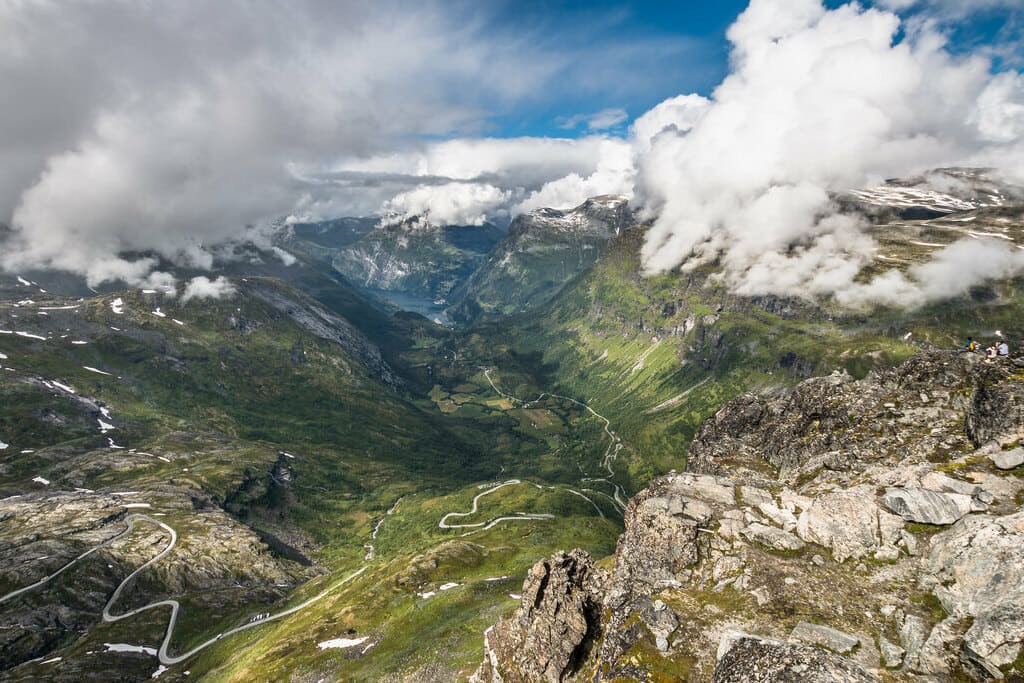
(671, 48)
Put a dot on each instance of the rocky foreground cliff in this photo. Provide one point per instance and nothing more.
(841, 530)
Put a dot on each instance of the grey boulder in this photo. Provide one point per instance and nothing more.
(927, 507)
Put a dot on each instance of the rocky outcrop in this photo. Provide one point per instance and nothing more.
(750, 659)
(850, 523)
(928, 507)
(557, 622)
(976, 567)
(824, 636)
(996, 412)
(1007, 460)
(745, 549)
(915, 411)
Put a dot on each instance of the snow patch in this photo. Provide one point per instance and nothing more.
(341, 643)
(136, 505)
(24, 281)
(79, 342)
(41, 480)
(63, 387)
(4, 446)
(125, 647)
(98, 372)
(160, 314)
(448, 586)
(105, 426)
(29, 335)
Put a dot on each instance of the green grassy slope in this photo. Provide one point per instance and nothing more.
(662, 353)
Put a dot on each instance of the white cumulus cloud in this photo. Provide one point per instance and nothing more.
(448, 204)
(818, 101)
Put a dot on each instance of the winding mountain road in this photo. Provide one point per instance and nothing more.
(163, 655)
(610, 454)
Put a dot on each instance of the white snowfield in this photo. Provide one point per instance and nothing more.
(341, 643)
(910, 196)
(117, 305)
(4, 446)
(125, 647)
(62, 386)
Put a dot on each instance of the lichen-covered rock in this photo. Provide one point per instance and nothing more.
(841, 424)
(557, 622)
(892, 654)
(996, 411)
(850, 523)
(977, 564)
(660, 538)
(824, 636)
(1007, 460)
(749, 659)
(772, 537)
(927, 507)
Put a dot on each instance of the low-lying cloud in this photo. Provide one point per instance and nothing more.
(202, 287)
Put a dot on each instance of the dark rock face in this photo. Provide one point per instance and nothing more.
(838, 423)
(760, 660)
(320, 323)
(542, 251)
(558, 621)
(995, 411)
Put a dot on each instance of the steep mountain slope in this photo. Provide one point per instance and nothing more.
(416, 258)
(662, 353)
(543, 250)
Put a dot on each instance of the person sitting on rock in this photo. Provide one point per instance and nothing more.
(969, 346)
(991, 352)
(1004, 349)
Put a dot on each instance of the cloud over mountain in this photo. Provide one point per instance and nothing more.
(818, 101)
(142, 127)
(136, 129)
